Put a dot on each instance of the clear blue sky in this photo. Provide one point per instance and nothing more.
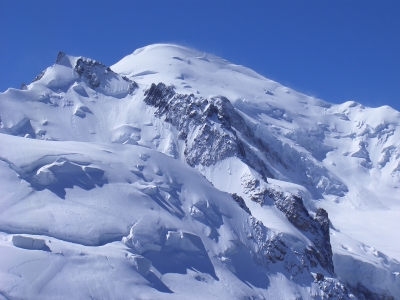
(335, 50)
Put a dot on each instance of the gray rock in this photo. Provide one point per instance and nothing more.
(316, 229)
(241, 202)
(208, 126)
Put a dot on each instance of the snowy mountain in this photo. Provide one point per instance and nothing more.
(175, 174)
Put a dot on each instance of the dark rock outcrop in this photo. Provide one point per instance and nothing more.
(214, 130)
(94, 73)
(91, 71)
(331, 288)
(241, 202)
(211, 128)
(316, 229)
(37, 78)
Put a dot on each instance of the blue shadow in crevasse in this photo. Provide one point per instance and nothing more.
(174, 260)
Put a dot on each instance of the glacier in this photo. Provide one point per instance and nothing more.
(175, 174)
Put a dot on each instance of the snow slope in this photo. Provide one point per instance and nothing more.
(180, 175)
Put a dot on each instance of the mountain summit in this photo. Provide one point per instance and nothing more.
(175, 174)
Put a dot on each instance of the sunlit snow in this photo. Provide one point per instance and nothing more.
(114, 186)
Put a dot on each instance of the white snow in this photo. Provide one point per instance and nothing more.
(103, 182)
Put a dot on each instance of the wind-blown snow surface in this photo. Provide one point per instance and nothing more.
(176, 174)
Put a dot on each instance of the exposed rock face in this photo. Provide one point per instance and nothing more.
(241, 202)
(39, 76)
(323, 219)
(331, 288)
(209, 127)
(214, 130)
(91, 71)
(298, 261)
(60, 56)
(94, 72)
(276, 249)
(256, 189)
(317, 229)
(211, 140)
(132, 85)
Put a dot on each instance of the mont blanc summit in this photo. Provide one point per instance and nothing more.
(175, 174)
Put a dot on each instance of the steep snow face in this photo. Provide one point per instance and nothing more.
(116, 182)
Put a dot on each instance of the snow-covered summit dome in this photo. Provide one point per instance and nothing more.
(191, 71)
